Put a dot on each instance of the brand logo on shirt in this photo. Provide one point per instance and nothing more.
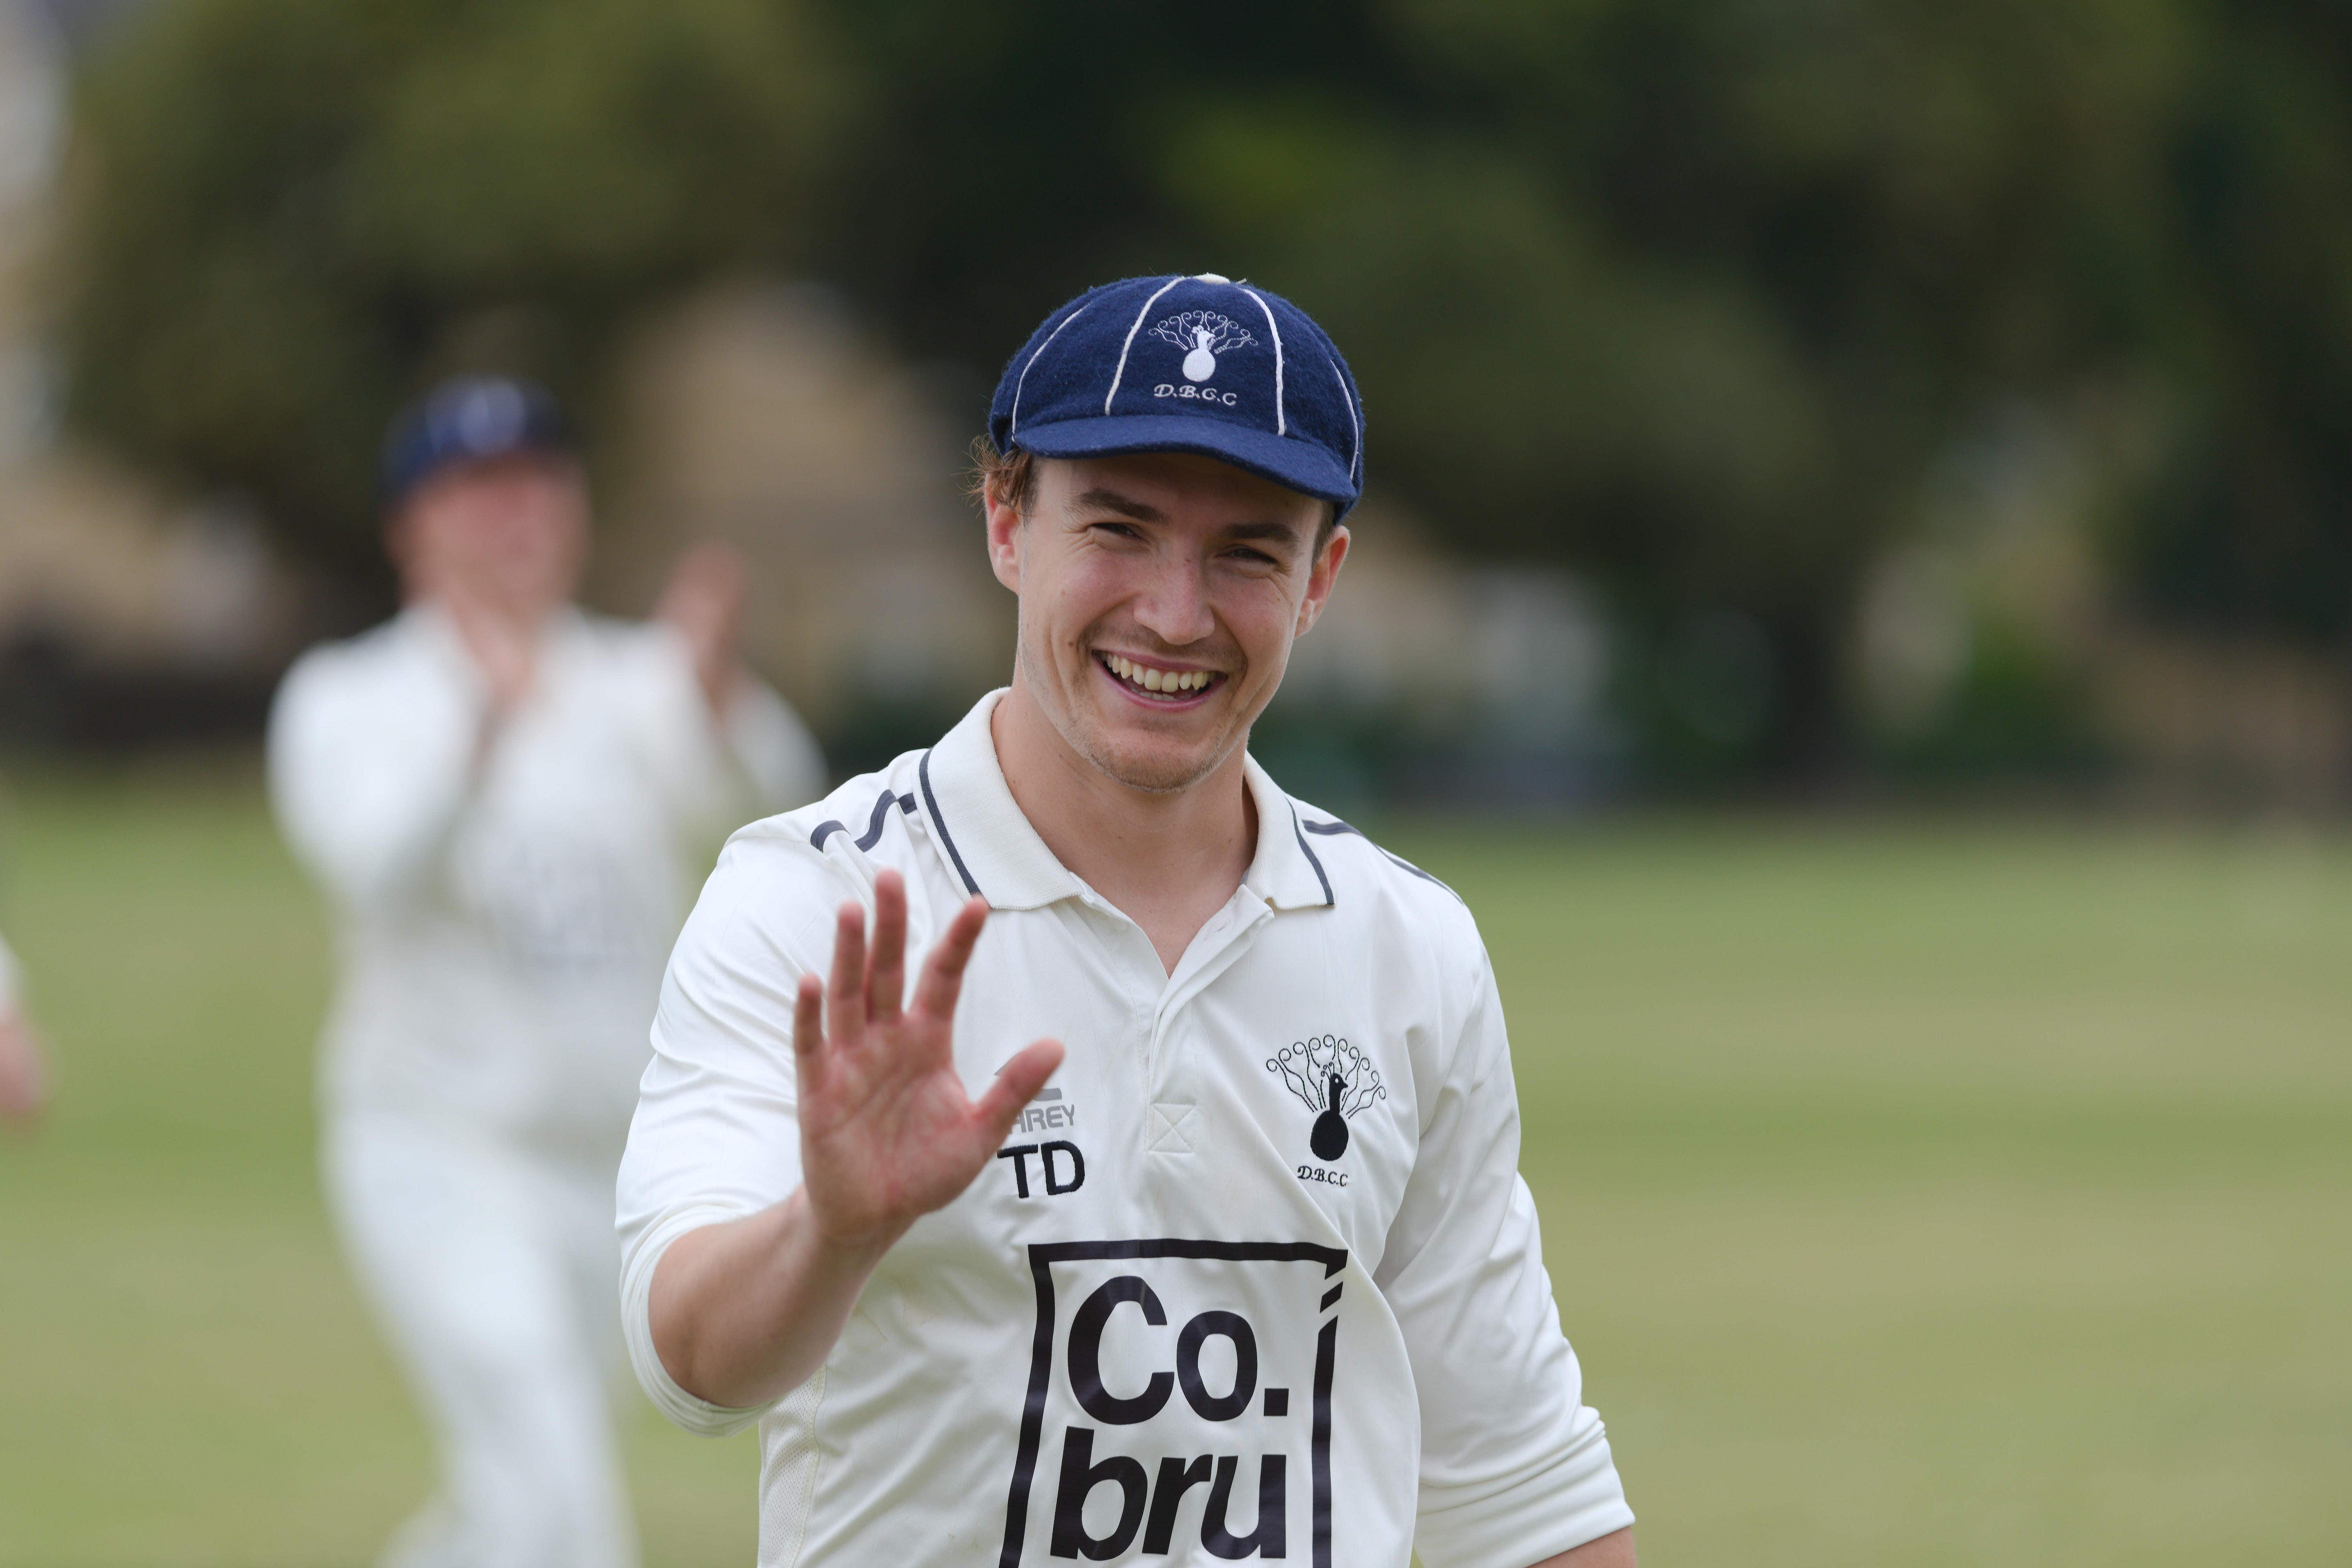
(1333, 1079)
(1179, 1392)
(1048, 1112)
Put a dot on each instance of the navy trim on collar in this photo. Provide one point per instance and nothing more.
(997, 852)
(1326, 829)
(1308, 850)
(923, 772)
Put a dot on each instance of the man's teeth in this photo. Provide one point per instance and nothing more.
(1152, 679)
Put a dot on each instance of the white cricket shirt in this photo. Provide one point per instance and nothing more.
(1255, 1273)
(503, 926)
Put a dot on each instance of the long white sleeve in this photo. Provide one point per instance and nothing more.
(1515, 1467)
(371, 768)
(717, 1131)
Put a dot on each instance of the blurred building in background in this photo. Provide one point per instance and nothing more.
(759, 413)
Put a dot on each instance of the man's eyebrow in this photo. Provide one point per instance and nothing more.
(1286, 533)
(1100, 500)
(1110, 501)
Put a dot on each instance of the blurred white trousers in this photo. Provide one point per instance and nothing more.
(495, 1274)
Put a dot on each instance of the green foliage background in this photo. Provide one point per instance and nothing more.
(1689, 294)
(290, 215)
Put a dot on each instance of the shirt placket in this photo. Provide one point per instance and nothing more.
(1172, 1075)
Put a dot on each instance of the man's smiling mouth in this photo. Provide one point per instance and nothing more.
(1150, 680)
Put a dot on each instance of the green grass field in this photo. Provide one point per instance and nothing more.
(1918, 1194)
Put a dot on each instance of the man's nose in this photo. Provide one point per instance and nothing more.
(1174, 603)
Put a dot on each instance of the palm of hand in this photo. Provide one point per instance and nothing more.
(504, 649)
(704, 604)
(887, 1133)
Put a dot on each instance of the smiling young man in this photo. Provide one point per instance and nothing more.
(1171, 1213)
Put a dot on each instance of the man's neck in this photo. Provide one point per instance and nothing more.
(1167, 860)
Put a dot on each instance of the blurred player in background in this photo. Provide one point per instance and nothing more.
(506, 799)
(23, 1085)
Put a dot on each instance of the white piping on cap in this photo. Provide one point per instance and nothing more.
(1129, 344)
(1281, 421)
(1355, 428)
(1012, 425)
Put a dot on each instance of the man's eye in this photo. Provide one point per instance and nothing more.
(1253, 557)
(1118, 530)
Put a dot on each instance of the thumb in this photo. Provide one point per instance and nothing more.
(1016, 1085)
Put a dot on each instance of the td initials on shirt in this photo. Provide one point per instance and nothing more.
(1179, 1392)
(1064, 1167)
(1060, 1162)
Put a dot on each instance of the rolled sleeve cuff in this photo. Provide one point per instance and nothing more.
(1535, 1516)
(697, 1415)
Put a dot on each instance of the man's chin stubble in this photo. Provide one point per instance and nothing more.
(1170, 775)
(1147, 779)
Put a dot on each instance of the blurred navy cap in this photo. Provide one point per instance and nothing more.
(1188, 364)
(466, 420)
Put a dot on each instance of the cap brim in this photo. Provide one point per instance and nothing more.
(1294, 464)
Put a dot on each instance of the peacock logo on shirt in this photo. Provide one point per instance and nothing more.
(1334, 1081)
(1180, 1397)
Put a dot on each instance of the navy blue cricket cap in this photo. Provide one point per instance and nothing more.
(468, 420)
(1188, 364)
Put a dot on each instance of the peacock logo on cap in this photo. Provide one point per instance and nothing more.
(1202, 335)
(1334, 1079)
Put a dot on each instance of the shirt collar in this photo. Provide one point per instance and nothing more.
(993, 849)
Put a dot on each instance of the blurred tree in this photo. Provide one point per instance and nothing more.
(287, 215)
(1684, 293)
(1691, 295)
(2251, 529)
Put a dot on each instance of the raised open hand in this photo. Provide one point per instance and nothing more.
(887, 1133)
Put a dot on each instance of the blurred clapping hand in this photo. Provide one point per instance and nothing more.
(704, 604)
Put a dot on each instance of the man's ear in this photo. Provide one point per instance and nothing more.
(1005, 541)
(1320, 579)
